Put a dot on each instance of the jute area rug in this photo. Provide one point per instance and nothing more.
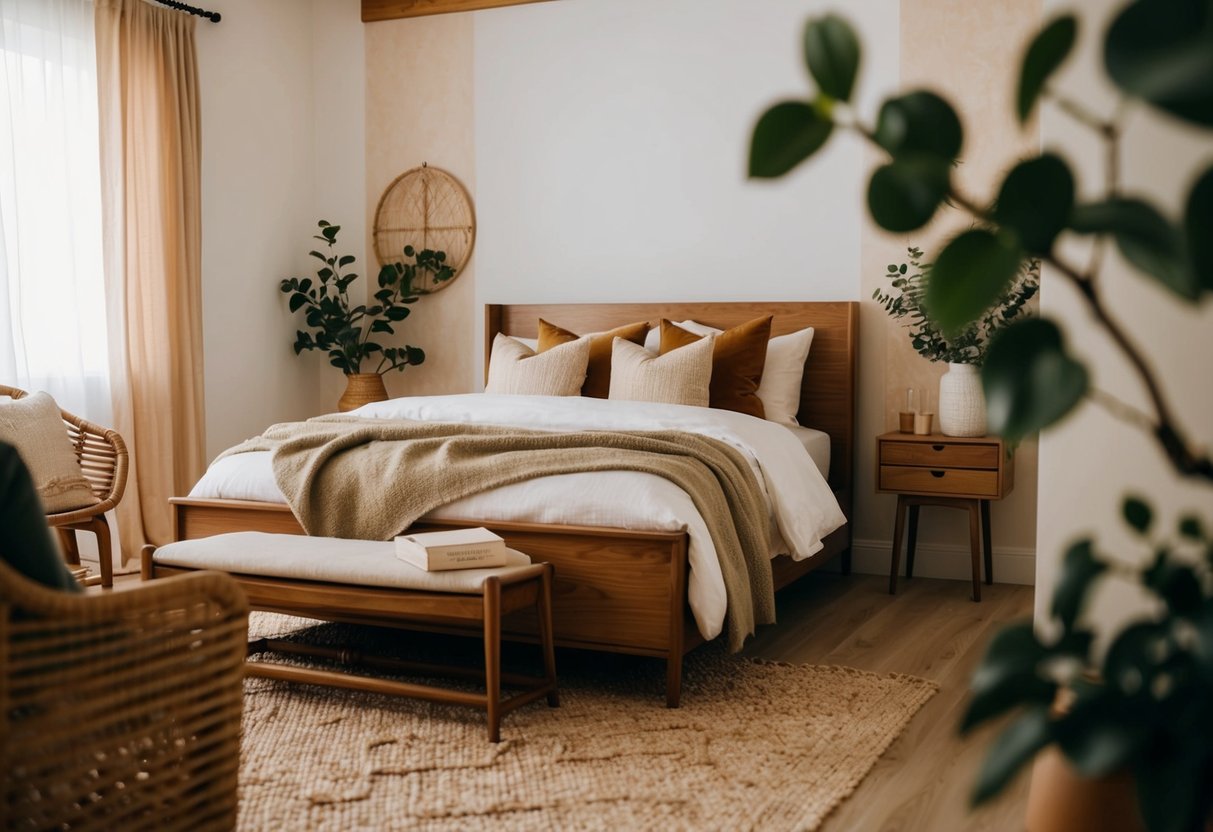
(754, 746)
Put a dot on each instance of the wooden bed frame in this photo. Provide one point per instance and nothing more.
(622, 590)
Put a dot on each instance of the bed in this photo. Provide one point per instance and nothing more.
(625, 590)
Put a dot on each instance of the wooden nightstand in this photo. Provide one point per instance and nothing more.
(951, 471)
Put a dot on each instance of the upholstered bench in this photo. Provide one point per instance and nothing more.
(363, 582)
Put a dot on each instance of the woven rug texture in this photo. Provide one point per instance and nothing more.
(755, 746)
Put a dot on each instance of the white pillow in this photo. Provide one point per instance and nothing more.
(782, 373)
(34, 426)
(680, 376)
(516, 369)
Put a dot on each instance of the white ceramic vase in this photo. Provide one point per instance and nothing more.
(962, 405)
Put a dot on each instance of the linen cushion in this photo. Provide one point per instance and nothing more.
(737, 362)
(598, 373)
(782, 372)
(516, 369)
(25, 539)
(330, 559)
(682, 376)
(34, 426)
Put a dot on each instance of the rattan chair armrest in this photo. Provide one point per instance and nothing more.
(38, 600)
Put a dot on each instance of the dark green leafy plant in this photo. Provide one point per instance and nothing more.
(1146, 704)
(905, 304)
(343, 329)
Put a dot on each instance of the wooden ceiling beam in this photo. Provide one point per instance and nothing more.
(394, 9)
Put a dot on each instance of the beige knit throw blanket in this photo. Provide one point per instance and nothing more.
(345, 476)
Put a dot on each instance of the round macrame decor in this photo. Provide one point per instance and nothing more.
(425, 208)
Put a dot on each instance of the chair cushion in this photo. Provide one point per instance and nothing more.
(330, 559)
(34, 426)
(25, 538)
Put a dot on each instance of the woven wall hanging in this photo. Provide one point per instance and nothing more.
(425, 208)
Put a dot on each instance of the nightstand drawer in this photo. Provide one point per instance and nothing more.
(939, 454)
(909, 479)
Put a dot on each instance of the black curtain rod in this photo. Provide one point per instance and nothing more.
(213, 17)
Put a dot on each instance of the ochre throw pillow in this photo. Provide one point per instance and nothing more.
(737, 362)
(35, 427)
(516, 370)
(598, 374)
(682, 377)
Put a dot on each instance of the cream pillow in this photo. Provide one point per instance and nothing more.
(782, 373)
(34, 426)
(515, 369)
(681, 376)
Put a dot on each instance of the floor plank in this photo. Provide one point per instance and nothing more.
(929, 629)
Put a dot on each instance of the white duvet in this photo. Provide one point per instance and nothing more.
(802, 507)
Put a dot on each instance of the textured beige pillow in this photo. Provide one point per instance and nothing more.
(782, 373)
(681, 376)
(35, 428)
(515, 368)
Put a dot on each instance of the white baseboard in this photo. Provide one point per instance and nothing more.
(1011, 565)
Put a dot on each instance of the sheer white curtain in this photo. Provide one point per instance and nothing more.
(52, 289)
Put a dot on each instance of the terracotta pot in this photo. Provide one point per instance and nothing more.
(1062, 800)
(360, 389)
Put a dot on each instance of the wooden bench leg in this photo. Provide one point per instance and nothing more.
(546, 635)
(899, 523)
(492, 656)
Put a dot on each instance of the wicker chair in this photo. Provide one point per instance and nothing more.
(103, 458)
(121, 710)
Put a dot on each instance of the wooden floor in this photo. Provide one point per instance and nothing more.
(929, 629)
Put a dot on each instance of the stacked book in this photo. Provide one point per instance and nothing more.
(475, 548)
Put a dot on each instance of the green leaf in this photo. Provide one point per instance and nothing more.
(297, 300)
(969, 276)
(382, 326)
(396, 313)
(1172, 791)
(1191, 527)
(1079, 568)
(415, 355)
(784, 136)
(1045, 54)
(318, 256)
(905, 193)
(917, 123)
(831, 52)
(1095, 736)
(346, 260)
(1162, 51)
(1029, 380)
(1137, 514)
(1015, 746)
(1035, 200)
(1007, 676)
(1198, 222)
(1144, 237)
(330, 232)
(1176, 583)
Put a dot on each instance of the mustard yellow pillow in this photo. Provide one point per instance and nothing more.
(737, 361)
(598, 373)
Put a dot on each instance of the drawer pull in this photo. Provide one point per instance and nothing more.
(938, 474)
(938, 447)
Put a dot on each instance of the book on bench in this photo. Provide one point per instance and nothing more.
(475, 548)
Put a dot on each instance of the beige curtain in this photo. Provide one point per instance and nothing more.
(148, 93)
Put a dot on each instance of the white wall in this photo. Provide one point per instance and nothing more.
(282, 145)
(611, 145)
(1088, 463)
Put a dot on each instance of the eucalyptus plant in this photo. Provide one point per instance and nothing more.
(1146, 703)
(344, 329)
(905, 303)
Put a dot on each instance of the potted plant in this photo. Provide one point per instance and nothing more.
(1136, 703)
(962, 407)
(344, 329)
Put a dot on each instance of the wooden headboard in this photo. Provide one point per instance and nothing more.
(827, 395)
